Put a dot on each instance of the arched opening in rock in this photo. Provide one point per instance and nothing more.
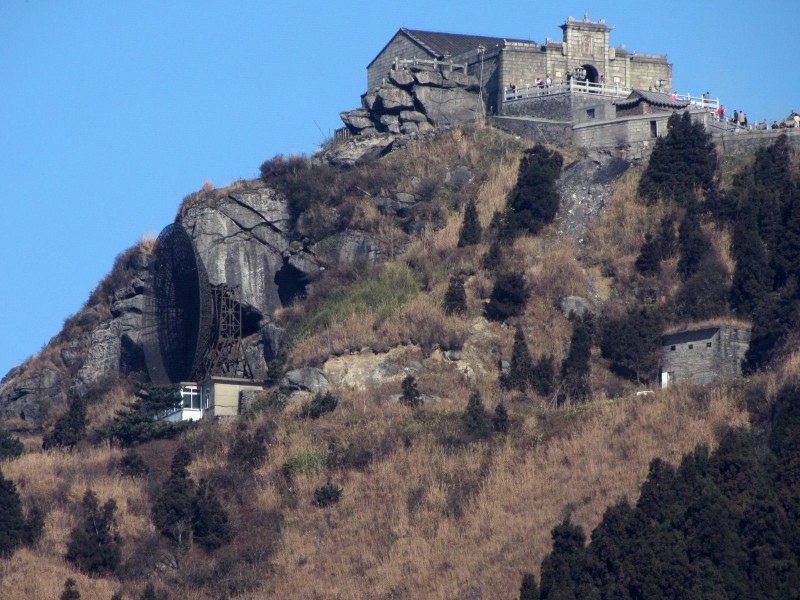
(291, 284)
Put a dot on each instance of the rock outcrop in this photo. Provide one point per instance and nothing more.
(416, 100)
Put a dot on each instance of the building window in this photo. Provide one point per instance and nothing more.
(190, 396)
(708, 344)
(590, 113)
(691, 346)
(672, 348)
(653, 128)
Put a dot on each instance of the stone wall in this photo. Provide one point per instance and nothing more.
(739, 142)
(400, 46)
(615, 133)
(547, 132)
(703, 355)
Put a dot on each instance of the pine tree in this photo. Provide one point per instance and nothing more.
(475, 419)
(509, 295)
(752, 277)
(694, 245)
(69, 428)
(521, 373)
(70, 590)
(12, 521)
(533, 203)
(575, 369)
(138, 424)
(632, 343)
(649, 260)
(210, 521)
(455, 298)
(500, 418)
(94, 544)
(173, 510)
(411, 396)
(471, 228)
(544, 373)
(705, 294)
(528, 590)
(562, 568)
(10, 446)
(494, 255)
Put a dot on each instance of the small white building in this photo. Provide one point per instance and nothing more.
(212, 398)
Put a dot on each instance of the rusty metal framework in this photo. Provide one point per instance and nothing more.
(225, 355)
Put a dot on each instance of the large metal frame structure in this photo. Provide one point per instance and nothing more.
(192, 330)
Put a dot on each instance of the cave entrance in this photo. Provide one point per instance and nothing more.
(291, 283)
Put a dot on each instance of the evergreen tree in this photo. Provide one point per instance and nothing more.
(533, 203)
(248, 451)
(173, 510)
(667, 242)
(319, 405)
(633, 343)
(575, 369)
(528, 590)
(471, 227)
(94, 544)
(10, 446)
(509, 295)
(69, 428)
(138, 424)
(752, 277)
(494, 255)
(455, 298)
(70, 590)
(411, 396)
(210, 521)
(705, 294)
(500, 418)
(562, 568)
(649, 260)
(694, 245)
(12, 521)
(521, 372)
(683, 161)
(475, 419)
(544, 373)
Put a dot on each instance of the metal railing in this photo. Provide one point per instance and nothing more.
(400, 63)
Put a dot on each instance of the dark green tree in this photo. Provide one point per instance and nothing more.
(752, 277)
(10, 446)
(533, 203)
(694, 245)
(455, 298)
(705, 294)
(411, 396)
(544, 374)
(500, 418)
(633, 342)
(94, 545)
(529, 590)
(562, 568)
(138, 424)
(494, 255)
(509, 296)
(248, 451)
(683, 162)
(12, 521)
(132, 465)
(70, 590)
(475, 419)
(328, 494)
(649, 260)
(69, 428)
(575, 370)
(210, 525)
(521, 371)
(470, 233)
(173, 510)
(319, 405)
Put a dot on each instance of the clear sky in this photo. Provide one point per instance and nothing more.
(112, 111)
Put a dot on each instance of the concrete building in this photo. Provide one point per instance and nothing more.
(212, 398)
(703, 355)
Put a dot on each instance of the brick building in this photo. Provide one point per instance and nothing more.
(704, 354)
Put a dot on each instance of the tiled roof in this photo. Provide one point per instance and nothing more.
(454, 44)
(653, 98)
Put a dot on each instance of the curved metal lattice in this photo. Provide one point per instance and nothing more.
(178, 313)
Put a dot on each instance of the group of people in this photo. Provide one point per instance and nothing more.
(538, 83)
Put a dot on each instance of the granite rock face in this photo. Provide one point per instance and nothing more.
(416, 100)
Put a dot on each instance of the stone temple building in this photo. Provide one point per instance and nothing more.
(584, 54)
(703, 355)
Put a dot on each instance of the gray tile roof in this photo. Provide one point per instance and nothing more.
(653, 98)
(453, 44)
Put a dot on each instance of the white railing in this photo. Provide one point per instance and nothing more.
(401, 63)
(698, 101)
(561, 87)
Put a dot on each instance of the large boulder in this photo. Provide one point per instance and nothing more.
(402, 78)
(358, 119)
(102, 362)
(308, 379)
(392, 98)
(447, 107)
(360, 148)
(350, 246)
(31, 396)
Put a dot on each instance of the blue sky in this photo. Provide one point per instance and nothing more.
(112, 112)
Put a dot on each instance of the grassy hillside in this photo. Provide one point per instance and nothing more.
(428, 507)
